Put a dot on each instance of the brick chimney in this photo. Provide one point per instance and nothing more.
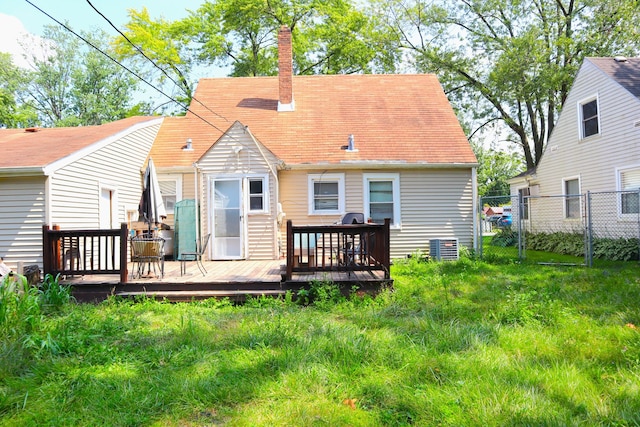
(285, 70)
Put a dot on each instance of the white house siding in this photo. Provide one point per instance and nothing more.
(221, 161)
(76, 188)
(22, 215)
(594, 160)
(434, 203)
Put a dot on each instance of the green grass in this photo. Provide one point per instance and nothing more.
(463, 343)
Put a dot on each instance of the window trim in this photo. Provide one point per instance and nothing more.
(522, 214)
(581, 129)
(265, 194)
(619, 172)
(178, 180)
(395, 185)
(326, 177)
(566, 199)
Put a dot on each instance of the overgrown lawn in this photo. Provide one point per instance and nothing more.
(462, 343)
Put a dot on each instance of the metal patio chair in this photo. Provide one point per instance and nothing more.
(196, 256)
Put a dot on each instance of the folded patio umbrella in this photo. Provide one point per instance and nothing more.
(151, 208)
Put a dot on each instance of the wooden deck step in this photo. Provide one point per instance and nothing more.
(182, 295)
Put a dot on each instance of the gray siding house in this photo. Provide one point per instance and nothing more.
(78, 178)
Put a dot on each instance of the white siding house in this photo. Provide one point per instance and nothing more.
(77, 178)
(594, 147)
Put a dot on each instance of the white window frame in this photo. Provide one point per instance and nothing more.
(566, 199)
(265, 194)
(522, 214)
(395, 181)
(619, 173)
(178, 181)
(581, 129)
(326, 177)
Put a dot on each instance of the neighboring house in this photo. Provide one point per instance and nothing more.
(78, 178)
(262, 150)
(594, 147)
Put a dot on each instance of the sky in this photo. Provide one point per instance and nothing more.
(18, 17)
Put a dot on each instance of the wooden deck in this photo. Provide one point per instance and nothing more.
(224, 279)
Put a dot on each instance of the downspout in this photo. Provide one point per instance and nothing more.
(474, 178)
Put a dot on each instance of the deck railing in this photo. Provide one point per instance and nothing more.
(352, 247)
(80, 252)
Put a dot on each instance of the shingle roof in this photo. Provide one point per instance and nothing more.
(625, 71)
(394, 118)
(33, 148)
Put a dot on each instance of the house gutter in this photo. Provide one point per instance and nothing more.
(196, 168)
(24, 171)
(378, 165)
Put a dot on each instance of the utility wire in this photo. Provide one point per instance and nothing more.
(124, 66)
(162, 70)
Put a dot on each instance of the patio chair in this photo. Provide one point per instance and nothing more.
(147, 252)
(196, 256)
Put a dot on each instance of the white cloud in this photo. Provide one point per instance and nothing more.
(12, 31)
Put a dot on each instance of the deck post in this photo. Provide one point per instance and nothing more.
(386, 262)
(289, 249)
(47, 254)
(124, 234)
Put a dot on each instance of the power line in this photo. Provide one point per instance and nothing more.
(162, 70)
(123, 66)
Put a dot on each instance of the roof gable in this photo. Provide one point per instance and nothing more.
(402, 119)
(42, 147)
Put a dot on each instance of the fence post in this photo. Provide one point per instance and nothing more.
(520, 215)
(588, 256)
(481, 228)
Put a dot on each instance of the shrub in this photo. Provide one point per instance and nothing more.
(52, 294)
(613, 249)
(505, 237)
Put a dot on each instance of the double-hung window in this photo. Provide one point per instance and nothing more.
(572, 198)
(326, 194)
(589, 124)
(382, 197)
(629, 186)
(257, 194)
(523, 199)
(171, 190)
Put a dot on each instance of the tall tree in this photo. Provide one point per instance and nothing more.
(329, 36)
(495, 168)
(13, 80)
(511, 61)
(72, 84)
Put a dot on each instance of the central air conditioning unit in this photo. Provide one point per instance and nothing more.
(445, 249)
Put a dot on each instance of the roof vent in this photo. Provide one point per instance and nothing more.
(351, 145)
(620, 58)
(188, 146)
(32, 130)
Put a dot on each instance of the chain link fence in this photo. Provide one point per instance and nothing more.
(564, 229)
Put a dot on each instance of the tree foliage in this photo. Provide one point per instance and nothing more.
(329, 37)
(511, 61)
(495, 168)
(13, 113)
(73, 84)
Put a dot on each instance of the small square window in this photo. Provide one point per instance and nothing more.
(326, 194)
(629, 184)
